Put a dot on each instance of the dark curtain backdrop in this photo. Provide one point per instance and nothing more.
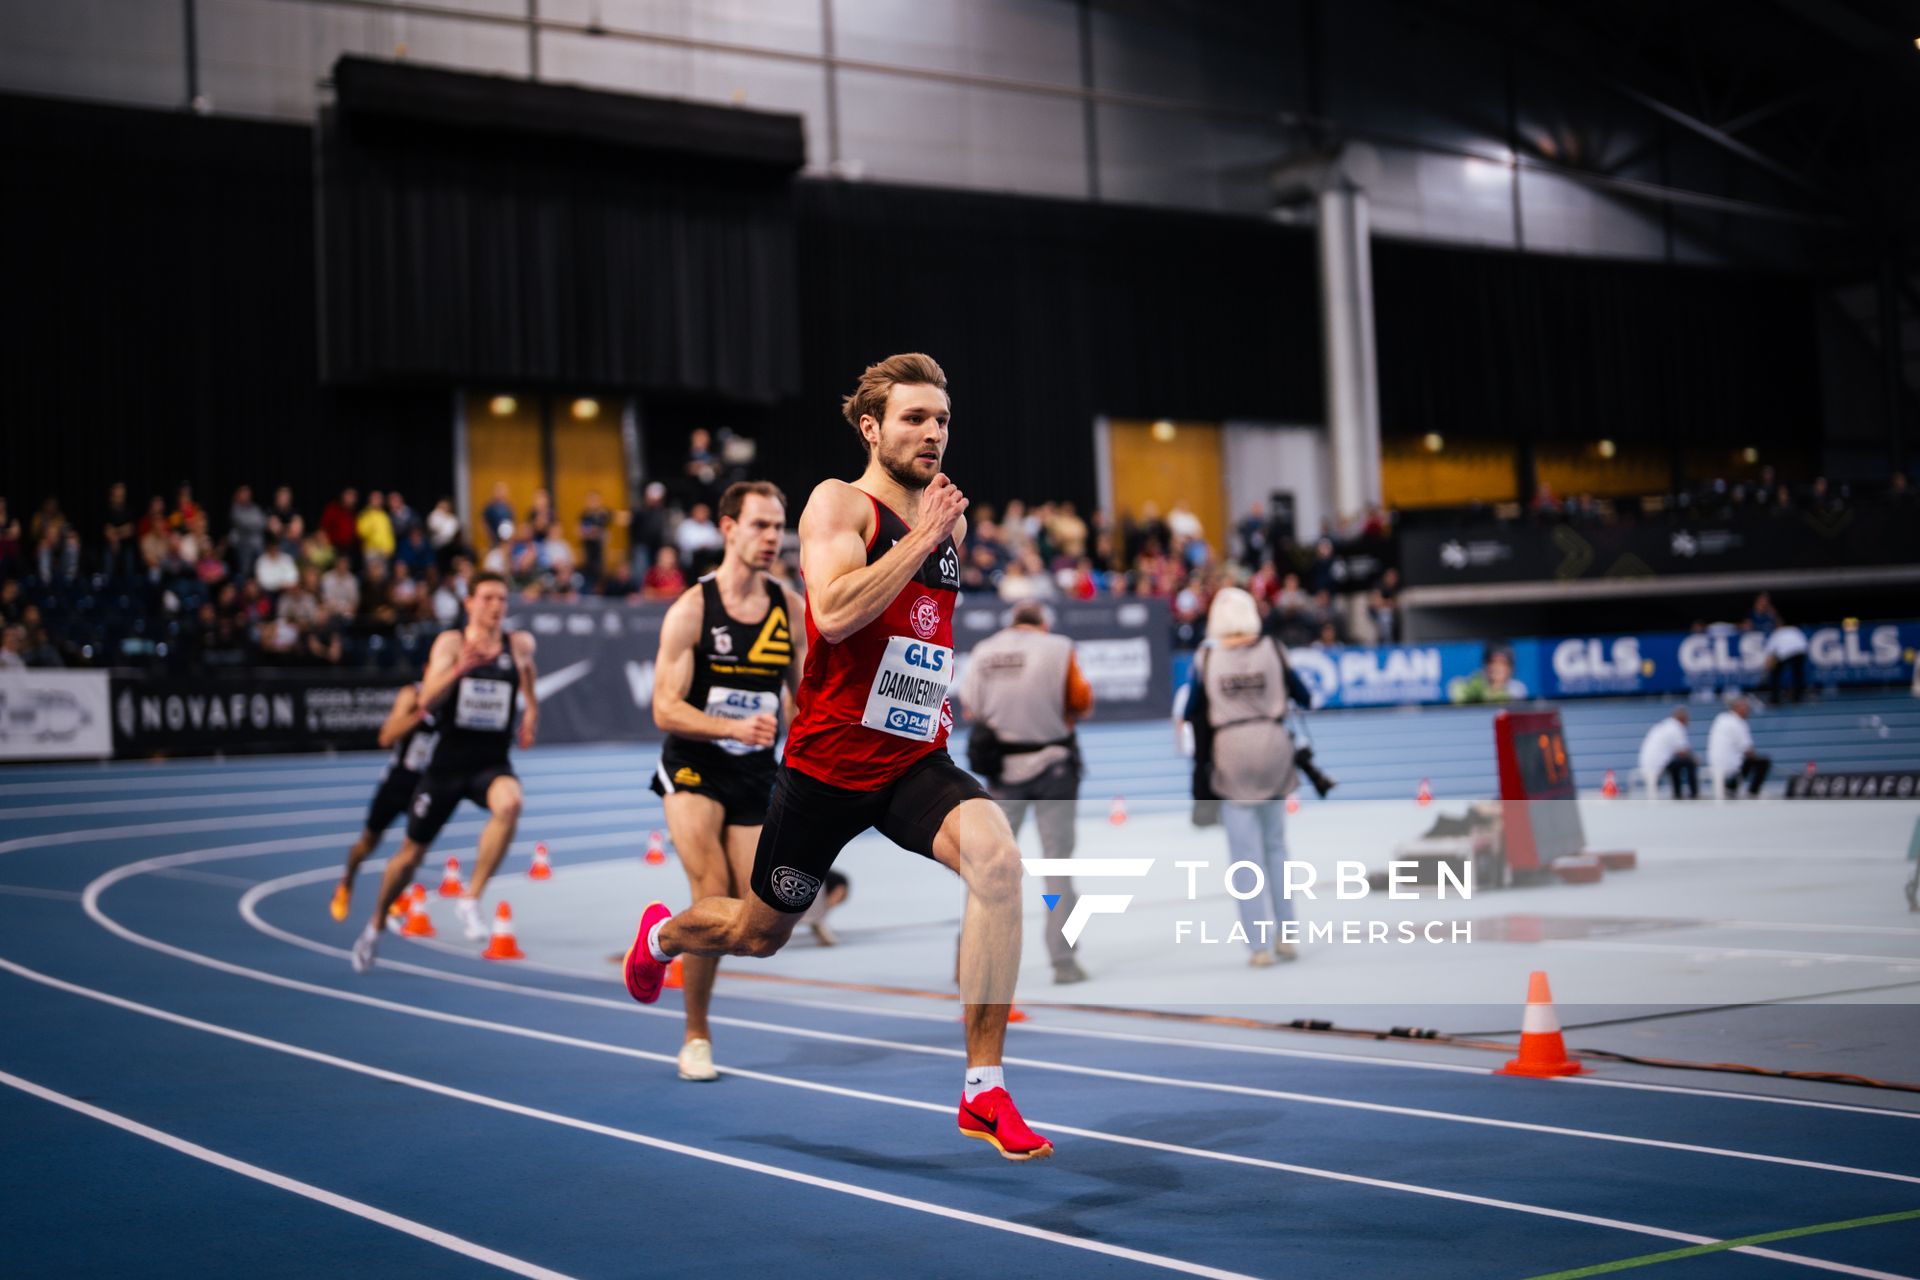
(1044, 314)
(1531, 347)
(454, 256)
(160, 288)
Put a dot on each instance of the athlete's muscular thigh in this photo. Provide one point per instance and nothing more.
(696, 822)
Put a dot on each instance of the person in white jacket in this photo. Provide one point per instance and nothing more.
(1786, 661)
(1666, 750)
(1730, 752)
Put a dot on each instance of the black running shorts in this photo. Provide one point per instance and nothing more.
(810, 821)
(743, 787)
(439, 794)
(395, 793)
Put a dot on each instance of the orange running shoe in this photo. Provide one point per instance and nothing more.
(992, 1117)
(342, 896)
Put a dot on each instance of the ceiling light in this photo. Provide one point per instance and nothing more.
(1749, 455)
(1163, 431)
(585, 409)
(1607, 448)
(502, 405)
(1432, 442)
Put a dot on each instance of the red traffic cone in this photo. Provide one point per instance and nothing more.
(656, 849)
(418, 925)
(676, 977)
(1543, 1052)
(1811, 770)
(450, 886)
(541, 868)
(1117, 815)
(1608, 787)
(1293, 804)
(501, 946)
(1424, 796)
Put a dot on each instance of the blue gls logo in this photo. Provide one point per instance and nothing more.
(751, 701)
(910, 721)
(926, 657)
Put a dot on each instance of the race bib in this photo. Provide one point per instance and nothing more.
(419, 752)
(484, 705)
(741, 704)
(909, 689)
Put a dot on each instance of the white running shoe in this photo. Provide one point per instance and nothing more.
(469, 912)
(364, 947)
(696, 1061)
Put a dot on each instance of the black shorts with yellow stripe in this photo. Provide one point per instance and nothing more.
(743, 785)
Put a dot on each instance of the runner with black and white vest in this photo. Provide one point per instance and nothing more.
(477, 678)
(410, 732)
(730, 658)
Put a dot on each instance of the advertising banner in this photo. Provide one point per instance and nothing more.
(54, 715)
(263, 711)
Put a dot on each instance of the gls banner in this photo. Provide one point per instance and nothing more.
(1680, 662)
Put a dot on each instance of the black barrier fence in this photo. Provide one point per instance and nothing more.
(252, 712)
(596, 663)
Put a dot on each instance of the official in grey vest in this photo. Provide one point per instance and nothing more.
(1243, 756)
(1022, 692)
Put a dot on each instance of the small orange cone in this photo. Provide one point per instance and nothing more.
(1016, 1015)
(541, 868)
(1543, 1052)
(1293, 804)
(1609, 788)
(501, 946)
(656, 849)
(1424, 796)
(418, 925)
(450, 886)
(675, 979)
(1117, 815)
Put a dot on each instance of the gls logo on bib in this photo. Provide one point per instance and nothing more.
(926, 657)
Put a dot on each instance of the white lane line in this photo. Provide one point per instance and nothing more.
(59, 895)
(206, 877)
(175, 777)
(615, 784)
(249, 910)
(1739, 953)
(641, 1139)
(360, 1209)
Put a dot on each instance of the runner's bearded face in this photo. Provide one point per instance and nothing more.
(913, 439)
(755, 537)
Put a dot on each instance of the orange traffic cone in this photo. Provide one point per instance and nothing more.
(418, 925)
(1117, 815)
(541, 868)
(1016, 1015)
(450, 886)
(656, 849)
(676, 978)
(1608, 787)
(501, 946)
(1542, 1050)
(1293, 804)
(1424, 796)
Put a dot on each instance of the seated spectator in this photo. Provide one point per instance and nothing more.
(1730, 752)
(647, 529)
(1026, 579)
(13, 647)
(664, 580)
(39, 650)
(406, 592)
(618, 583)
(156, 516)
(443, 531)
(119, 550)
(275, 570)
(415, 552)
(159, 552)
(246, 529)
(340, 592)
(281, 514)
(1786, 659)
(449, 602)
(697, 537)
(185, 509)
(340, 521)
(57, 558)
(595, 519)
(377, 611)
(374, 528)
(400, 515)
(1763, 617)
(1665, 752)
(1328, 573)
(319, 552)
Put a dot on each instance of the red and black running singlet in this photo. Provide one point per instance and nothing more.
(876, 702)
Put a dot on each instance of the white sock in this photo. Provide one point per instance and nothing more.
(981, 1079)
(653, 942)
(371, 933)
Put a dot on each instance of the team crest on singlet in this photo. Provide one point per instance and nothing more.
(722, 641)
(795, 888)
(925, 617)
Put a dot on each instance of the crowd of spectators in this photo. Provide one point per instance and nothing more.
(1762, 496)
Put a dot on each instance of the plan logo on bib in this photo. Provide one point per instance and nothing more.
(925, 617)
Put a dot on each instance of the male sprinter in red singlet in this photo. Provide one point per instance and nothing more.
(867, 748)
